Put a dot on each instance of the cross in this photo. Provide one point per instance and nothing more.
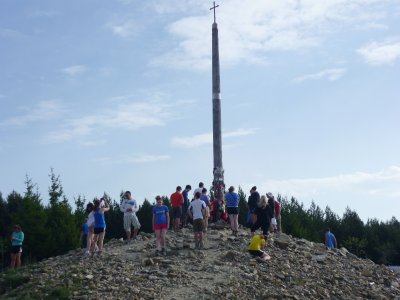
(214, 7)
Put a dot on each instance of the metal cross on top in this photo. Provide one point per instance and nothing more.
(214, 7)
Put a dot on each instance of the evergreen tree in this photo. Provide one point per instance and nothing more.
(145, 215)
(243, 207)
(80, 211)
(33, 220)
(62, 230)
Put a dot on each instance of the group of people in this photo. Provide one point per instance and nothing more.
(264, 213)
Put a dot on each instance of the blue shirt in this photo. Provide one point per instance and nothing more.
(185, 199)
(232, 199)
(99, 220)
(160, 214)
(330, 238)
(18, 238)
(205, 198)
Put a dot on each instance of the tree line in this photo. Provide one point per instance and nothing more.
(54, 229)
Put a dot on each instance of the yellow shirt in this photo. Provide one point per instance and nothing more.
(257, 242)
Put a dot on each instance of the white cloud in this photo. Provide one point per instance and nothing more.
(329, 74)
(385, 182)
(10, 33)
(74, 70)
(125, 116)
(124, 29)
(207, 138)
(250, 30)
(43, 111)
(384, 53)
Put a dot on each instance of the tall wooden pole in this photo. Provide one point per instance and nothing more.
(218, 171)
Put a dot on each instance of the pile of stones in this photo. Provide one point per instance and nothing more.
(298, 269)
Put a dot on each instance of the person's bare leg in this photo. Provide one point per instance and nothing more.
(18, 260)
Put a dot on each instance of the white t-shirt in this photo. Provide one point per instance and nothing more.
(90, 219)
(197, 190)
(197, 206)
(129, 204)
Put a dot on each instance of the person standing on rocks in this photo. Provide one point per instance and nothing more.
(232, 206)
(99, 223)
(17, 238)
(257, 245)
(176, 204)
(277, 206)
(199, 189)
(90, 226)
(186, 203)
(261, 217)
(197, 211)
(253, 201)
(160, 224)
(330, 239)
(204, 197)
(129, 207)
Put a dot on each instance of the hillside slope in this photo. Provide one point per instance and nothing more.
(298, 269)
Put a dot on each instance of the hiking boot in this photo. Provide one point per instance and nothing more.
(164, 251)
(157, 252)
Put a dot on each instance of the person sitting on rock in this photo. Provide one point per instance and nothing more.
(197, 211)
(261, 217)
(330, 240)
(257, 245)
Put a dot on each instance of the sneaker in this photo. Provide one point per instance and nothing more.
(86, 254)
(157, 252)
(164, 251)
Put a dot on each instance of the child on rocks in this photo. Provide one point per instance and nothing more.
(257, 245)
(160, 224)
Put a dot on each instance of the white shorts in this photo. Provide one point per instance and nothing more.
(131, 220)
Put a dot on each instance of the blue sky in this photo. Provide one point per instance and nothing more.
(116, 95)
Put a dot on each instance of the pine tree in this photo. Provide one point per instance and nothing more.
(145, 215)
(243, 207)
(63, 232)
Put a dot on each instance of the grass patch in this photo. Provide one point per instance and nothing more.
(60, 293)
(13, 279)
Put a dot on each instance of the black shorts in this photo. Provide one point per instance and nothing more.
(256, 252)
(98, 230)
(231, 210)
(177, 212)
(264, 226)
(16, 249)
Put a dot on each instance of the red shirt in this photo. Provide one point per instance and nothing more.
(176, 199)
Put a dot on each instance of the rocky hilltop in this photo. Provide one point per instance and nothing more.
(298, 269)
